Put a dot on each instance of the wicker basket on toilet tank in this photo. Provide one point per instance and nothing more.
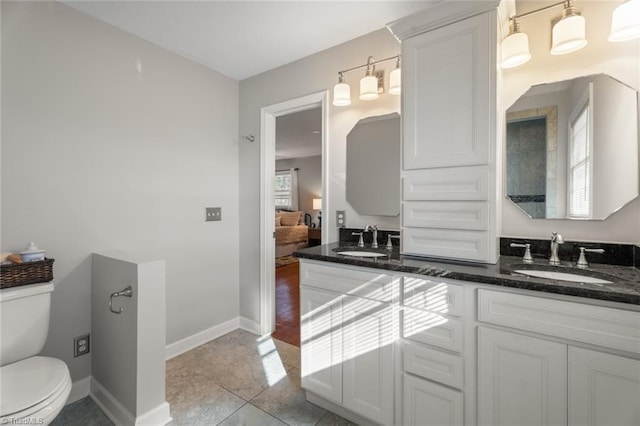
(38, 271)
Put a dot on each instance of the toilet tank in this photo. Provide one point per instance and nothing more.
(24, 321)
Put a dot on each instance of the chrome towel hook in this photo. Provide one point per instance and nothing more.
(127, 292)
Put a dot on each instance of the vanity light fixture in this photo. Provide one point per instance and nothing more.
(369, 84)
(568, 35)
(515, 48)
(625, 21)
(341, 92)
(395, 79)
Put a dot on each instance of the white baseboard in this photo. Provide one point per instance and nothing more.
(161, 415)
(110, 406)
(250, 325)
(79, 389)
(120, 415)
(181, 346)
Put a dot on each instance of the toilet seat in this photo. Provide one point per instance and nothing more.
(36, 387)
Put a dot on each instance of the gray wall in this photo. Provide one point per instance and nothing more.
(110, 142)
(313, 74)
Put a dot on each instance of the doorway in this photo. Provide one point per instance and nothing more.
(268, 117)
(298, 186)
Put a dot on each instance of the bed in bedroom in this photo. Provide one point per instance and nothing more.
(291, 232)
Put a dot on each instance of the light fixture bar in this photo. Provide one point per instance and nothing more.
(368, 64)
(539, 10)
(370, 84)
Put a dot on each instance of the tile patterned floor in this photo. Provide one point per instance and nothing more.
(237, 379)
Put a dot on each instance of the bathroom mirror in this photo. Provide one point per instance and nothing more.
(572, 149)
(373, 166)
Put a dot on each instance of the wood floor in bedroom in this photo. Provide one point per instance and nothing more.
(288, 304)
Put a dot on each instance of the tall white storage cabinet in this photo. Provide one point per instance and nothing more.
(451, 155)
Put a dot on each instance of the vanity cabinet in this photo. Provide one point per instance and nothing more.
(522, 379)
(582, 366)
(432, 337)
(603, 388)
(416, 350)
(450, 131)
(347, 335)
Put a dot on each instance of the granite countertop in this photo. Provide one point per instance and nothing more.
(625, 287)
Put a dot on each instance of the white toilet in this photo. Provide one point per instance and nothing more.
(33, 389)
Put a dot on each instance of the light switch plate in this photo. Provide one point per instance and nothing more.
(341, 218)
(213, 214)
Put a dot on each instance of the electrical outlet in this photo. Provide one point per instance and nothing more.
(213, 214)
(81, 345)
(341, 218)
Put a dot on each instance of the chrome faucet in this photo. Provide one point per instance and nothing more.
(582, 260)
(360, 241)
(527, 252)
(374, 229)
(556, 240)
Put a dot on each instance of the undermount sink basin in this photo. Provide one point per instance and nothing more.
(356, 253)
(563, 276)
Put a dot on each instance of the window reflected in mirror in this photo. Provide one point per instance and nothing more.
(572, 149)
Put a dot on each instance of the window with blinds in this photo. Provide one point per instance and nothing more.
(283, 189)
(580, 165)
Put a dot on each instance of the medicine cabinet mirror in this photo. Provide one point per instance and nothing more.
(572, 149)
(373, 166)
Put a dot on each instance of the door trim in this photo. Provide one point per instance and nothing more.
(268, 117)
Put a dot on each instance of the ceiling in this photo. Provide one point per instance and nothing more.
(299, 134)
(241, 39)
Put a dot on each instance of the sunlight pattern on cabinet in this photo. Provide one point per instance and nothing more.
(325, 326)
(417, 294)
(336, 328)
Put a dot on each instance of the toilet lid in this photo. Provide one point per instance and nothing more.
(27, 382)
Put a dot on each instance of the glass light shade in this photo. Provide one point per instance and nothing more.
(625, 21)
(568, 35)
(515, 50)
(317, 204)
(369, 88)
(341, 94)
(395, 82)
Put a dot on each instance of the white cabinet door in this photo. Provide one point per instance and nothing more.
(448, 95)
(427, 404)
(368, 334)
(604, 389)
(522, 380)
(321, 343)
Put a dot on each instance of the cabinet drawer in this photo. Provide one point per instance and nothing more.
(355, 282)
(464, 183)
(473, 215)
(450, 243)
(598, 325)
(433, 329)
(433, 364)
(434, 296)
(427, 403)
